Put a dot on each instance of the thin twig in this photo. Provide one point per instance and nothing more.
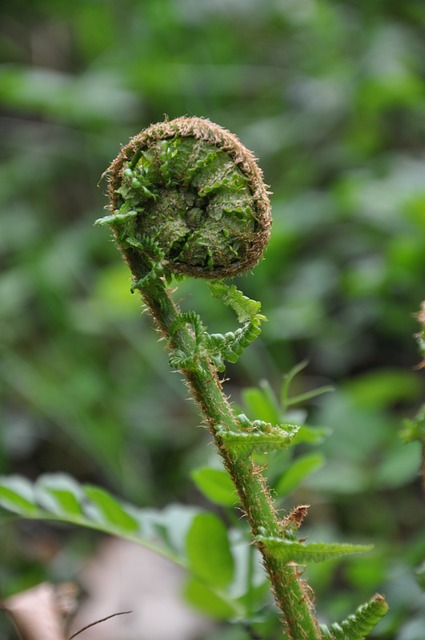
(92, 624)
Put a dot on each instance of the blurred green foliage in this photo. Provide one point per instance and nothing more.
(330, 96)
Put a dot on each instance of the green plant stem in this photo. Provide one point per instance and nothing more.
(290, 593)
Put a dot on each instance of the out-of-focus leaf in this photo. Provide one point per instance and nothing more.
(381, 388)
(109, 511)
(88, 506)
(16, 496)
(90, 98)
(216, 485)
(209, 601)
(299, 469)
(420, 576)
(311, 435)
(261, 404)
(60, 494)
(208, 550)
(400, 465)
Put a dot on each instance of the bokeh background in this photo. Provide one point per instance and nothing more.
(330, 96)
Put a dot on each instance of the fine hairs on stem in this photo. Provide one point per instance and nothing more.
(188, 200)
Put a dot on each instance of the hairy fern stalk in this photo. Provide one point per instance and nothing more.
(188, 200)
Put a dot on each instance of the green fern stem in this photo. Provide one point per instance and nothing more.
(290, 592)
(187, 199)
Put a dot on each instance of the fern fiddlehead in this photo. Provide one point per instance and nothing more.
(187, 199)
(193, 187)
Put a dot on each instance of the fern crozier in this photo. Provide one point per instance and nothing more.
(191, 186)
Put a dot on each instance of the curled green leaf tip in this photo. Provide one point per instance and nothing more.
(358, 625)
(193, 188)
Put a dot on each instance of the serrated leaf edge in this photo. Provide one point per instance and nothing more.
(302, 553)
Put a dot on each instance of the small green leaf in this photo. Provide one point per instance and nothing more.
(259, 437)
(261, 404)
(216, 485)
(59, 494)
(208, 601)
(299, 469)
(301, 553)
(170, 525)
(208, 550)
(16, 495)
(311, 435)
(108, 510)
(116, 218)
(244, 308)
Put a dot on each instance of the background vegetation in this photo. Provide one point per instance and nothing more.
(330, 96)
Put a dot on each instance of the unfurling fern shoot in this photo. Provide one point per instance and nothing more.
(192, 189)
(188, 199)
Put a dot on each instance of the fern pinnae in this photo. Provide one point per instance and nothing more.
(258, 437)
(358, 625)
(230, 346)
(192, 319)
(301, 553)
(116, 219)
(245, 308)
